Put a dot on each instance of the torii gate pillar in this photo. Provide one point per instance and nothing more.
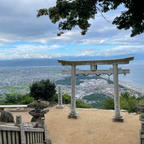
(73, 113)
(117, 116)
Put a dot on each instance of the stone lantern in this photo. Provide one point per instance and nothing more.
(40, 109)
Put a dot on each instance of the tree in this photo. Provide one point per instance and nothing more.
(44, 89)
(71, 13)
(109, 103)
(128, 102)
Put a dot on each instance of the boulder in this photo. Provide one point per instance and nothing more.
(6, 117)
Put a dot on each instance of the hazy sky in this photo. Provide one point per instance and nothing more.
(23, 35)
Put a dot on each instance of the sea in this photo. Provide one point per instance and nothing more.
(136, 75)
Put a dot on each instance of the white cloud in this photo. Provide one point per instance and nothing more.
(92, 41)
(28, 51)
(19, 23)
(119, 50)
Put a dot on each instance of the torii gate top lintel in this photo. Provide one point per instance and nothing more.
(97, 62)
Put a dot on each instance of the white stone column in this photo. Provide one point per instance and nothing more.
(60, 104)
(117, 116)
(73, 113)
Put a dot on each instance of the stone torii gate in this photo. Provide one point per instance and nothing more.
(93, 70)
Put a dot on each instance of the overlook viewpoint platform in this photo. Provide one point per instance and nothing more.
(94, 126)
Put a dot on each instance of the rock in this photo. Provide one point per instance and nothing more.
(6, 117)
(48, 141)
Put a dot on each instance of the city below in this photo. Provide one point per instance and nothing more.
(19, 79)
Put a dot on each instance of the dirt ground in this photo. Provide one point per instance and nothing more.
(92, 127)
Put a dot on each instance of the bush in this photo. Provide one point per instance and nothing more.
(44, 89)
(13, 98)
(128, 102)
(16, 98)
(27, 99)
(79, 103)
(66, 99)
(82, 104)
(109, 103)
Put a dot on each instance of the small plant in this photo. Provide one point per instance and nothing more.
(109, 103)
(66, 99)
(127, 102)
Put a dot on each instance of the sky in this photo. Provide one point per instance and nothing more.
(23, 35)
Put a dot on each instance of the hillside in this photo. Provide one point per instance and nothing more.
(92, 127)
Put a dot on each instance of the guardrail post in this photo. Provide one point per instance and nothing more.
(22, 132)
(18, 120)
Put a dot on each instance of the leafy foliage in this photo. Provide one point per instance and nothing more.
(82, 104)
(109, 103)
(66, 99)
(44, 89)
(79, 102)
(71, 13)
(16, 98)
(127, 102)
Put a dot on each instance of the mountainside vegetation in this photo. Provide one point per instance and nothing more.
(96, 100)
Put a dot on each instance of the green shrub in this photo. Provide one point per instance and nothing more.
(27, 99)
(109, 103)
(16, 98)
(13, 98)
(79, 103)
(44, 89)
(128, 102)
(140, 100)
(66, 99)
(2, 103)
(82, 104)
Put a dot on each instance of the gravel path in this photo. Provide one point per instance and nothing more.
(92, 127)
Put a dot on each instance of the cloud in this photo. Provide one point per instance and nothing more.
(28, 51)
(18, 18)
(117, 51)
(18, 23)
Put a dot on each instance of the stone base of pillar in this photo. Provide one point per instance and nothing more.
(73, 115)
(60, 106)
(117, 119)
